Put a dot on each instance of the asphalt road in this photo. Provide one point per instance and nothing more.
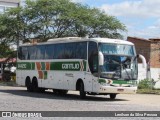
(18, 99)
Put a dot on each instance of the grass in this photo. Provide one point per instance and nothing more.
(146, 87)
(149, 91)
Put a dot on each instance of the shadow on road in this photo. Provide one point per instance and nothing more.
(51, 95)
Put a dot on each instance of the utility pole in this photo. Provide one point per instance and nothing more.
(18, 4)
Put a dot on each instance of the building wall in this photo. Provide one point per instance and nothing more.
(155, 53)
(151, 50)
(142, 73)
(5, 4)
(142, 47)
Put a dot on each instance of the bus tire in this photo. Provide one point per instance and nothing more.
(29, 85)
(81, 90)
(113, 96)
(35, 85)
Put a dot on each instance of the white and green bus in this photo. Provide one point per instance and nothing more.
(93, 66)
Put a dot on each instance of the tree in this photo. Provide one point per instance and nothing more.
(6, 35)
(45, 19)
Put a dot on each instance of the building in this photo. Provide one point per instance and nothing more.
(155, 53)
(5, 4)
(142, 47)
(150, 49)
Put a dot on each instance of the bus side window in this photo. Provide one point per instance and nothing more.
(24, 53)
(93, 57)
(20, 53)
(40, 52)
(81, 50)
(59, 51)
(69, 52)
(32, 52)
(49, 53)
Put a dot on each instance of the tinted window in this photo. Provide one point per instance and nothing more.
(70, 51)
(32, 52)
(93, 57)
(40, 52)
(117, 49)
(81, 50)
(76, 50)
(20, 52)
(49, 51)
(23, 53)
(59, 51)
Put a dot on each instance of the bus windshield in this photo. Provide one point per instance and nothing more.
(119, 61)
(116, 49)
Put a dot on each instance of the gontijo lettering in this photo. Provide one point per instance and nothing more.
(70, 66)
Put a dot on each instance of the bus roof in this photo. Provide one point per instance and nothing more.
(79, 39)
(103, 40)
(109, 40)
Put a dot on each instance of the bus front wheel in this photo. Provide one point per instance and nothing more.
(81, 91)
(113, 96)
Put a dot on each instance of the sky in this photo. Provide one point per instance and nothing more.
(141, 17)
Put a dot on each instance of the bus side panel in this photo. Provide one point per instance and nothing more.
(18, 77)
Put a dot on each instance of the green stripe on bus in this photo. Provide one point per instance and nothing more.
(43, 66)
(101, 80)
(124, 82)
(84, 63)
(69, 66)
(33, 66)
(26, 66)
(45, 74)
(65, 66)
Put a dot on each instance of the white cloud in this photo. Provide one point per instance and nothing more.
(138, 8)
(148, 32)
(135, 13)
(138, 15)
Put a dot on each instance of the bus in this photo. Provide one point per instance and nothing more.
(93, 66)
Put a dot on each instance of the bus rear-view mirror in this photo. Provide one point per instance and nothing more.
(101, 58)
(143, 60)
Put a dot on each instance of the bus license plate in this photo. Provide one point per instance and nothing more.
(120, 90)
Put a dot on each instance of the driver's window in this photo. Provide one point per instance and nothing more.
(93, 57)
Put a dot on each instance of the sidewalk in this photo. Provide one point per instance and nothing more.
(11, 83)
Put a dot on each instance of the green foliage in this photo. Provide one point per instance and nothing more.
(145, 84)
(148, 91)
(45, 19)
(5, 51)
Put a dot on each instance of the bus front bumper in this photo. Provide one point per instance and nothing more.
(118, 90)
